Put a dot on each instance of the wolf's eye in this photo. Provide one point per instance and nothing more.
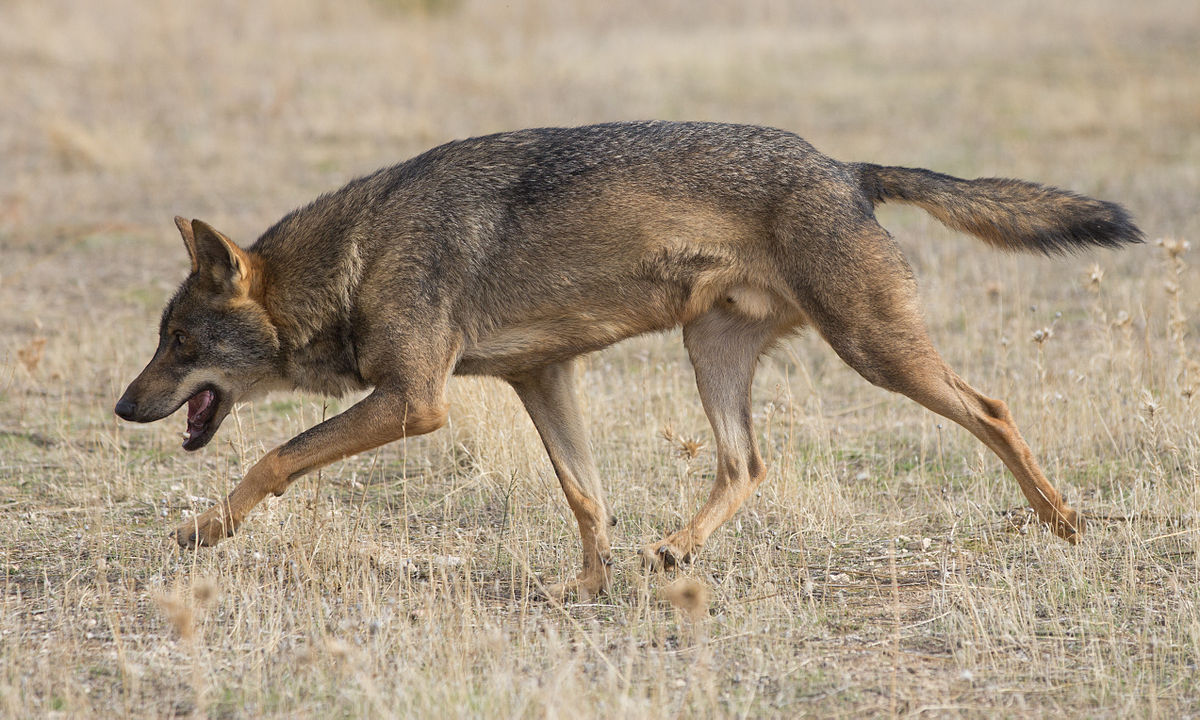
(180, 338)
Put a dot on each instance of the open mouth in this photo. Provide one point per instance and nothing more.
(201, 409)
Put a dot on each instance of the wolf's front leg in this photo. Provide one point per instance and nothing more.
(381, 417)
(221, 520)
(549, 395)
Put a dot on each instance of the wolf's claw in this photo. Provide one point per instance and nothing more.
(664, 555)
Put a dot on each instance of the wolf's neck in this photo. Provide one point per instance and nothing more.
(312, 267)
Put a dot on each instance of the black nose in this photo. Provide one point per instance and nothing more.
(125, 409)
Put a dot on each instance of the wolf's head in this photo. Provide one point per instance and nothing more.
(216, 344)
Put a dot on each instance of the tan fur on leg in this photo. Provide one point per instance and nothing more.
(379, 418)
(549, 397)
(724, 348)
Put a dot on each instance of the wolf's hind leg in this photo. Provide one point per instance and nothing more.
(548, 394)
(724, 349)
(868, 311)
(921, 374)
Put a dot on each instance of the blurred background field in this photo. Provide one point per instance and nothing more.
(887, 564)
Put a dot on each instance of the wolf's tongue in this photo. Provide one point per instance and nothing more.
(198, 406)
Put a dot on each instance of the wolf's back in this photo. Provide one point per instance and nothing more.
(1008, 214)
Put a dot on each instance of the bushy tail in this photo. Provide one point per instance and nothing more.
(1008, 214)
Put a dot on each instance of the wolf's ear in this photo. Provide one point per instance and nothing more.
(189, 240)
(218, 257)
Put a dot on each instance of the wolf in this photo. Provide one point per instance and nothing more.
(511, 255)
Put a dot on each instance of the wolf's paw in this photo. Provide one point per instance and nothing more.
(583, 588)
(1068, 525)
(203, 531)
(665, 554)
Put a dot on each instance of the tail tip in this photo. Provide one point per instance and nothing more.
(1111, 227)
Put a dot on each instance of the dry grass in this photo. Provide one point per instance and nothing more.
(886, 566)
